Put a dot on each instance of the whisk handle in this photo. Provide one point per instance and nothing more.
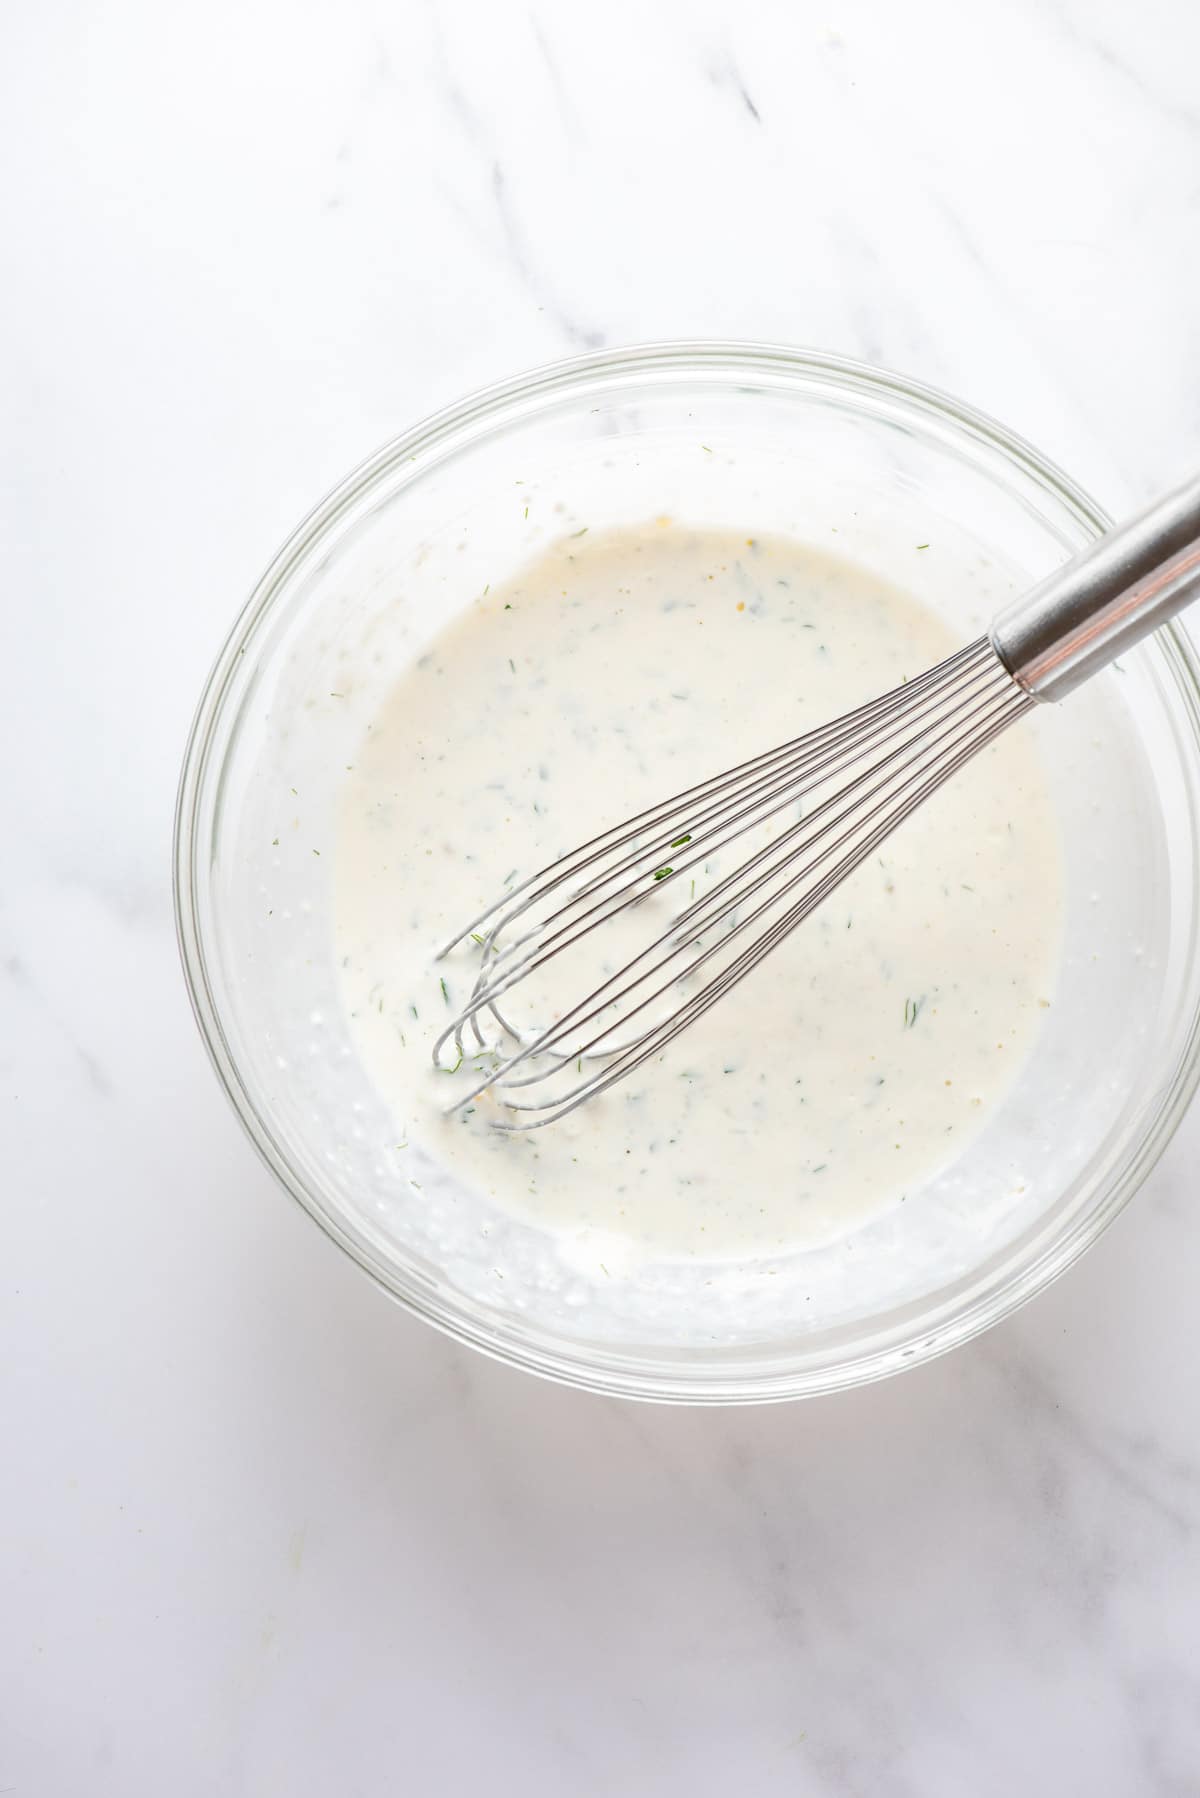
(1104, 600)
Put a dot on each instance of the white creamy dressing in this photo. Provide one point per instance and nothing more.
(867, 1049)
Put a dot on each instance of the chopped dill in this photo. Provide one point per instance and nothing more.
(678, 842)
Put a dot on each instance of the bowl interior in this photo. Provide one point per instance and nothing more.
(763, 442)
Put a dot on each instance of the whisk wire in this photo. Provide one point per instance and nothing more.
(503, 971)
(882, 760)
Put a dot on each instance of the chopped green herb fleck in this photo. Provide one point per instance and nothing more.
(661, 873)
(445, 990)
(476, 938)
(512, 664)
(582, 533)
(678, 842)
(912, 1011)
(922, 546)
(820, 1167)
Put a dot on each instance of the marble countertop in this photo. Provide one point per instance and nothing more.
(260, 1532)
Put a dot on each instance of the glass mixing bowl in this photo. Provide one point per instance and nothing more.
(763, 440)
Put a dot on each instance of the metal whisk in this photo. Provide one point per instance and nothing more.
(804, 815)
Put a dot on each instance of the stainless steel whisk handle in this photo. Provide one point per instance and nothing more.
(1104, 600)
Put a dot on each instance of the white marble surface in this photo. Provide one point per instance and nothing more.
(260, 1533)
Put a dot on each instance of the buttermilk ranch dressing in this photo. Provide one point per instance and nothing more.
(619, 668)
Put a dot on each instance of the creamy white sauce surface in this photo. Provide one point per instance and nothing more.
(869, 1047)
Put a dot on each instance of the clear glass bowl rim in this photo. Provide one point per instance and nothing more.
(591, 1368)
